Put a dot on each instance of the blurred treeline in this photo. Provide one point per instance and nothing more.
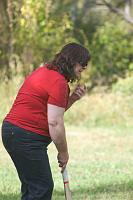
(32, 31)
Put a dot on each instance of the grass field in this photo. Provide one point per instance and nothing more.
(99, 133)
(100, 166)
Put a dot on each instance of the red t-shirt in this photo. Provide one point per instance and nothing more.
(29, 110)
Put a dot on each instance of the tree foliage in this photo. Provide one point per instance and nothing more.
(36, 32)
(32, 31)
(112, 53)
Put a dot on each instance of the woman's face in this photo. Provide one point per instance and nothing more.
(78, 69)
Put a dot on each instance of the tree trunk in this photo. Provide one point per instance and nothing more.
(10, 12)
(10, 19)
(128, 5)
(4, 36)
(125, 14)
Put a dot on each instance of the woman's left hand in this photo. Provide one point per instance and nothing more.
(78, 93)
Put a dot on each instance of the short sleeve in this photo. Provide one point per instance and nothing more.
(59, 93)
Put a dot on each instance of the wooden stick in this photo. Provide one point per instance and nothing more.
(66, 185)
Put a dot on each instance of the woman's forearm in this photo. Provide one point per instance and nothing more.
(58, 135)
(70, 102)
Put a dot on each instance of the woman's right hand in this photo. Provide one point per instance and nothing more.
(63, 160)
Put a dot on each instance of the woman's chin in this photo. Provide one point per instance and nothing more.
(78, 75)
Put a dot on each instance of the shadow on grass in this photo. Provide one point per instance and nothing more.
(103, 188)
(83, 191)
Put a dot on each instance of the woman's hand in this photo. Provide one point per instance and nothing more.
(78, 93)
(62, 160)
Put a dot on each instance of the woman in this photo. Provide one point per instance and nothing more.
(36, 119)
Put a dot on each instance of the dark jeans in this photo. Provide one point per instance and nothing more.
(29, 153)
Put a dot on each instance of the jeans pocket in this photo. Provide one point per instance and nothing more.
(7, 138)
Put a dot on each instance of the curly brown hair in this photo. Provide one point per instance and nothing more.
(66, 59)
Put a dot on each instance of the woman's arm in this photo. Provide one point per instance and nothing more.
(57, 133)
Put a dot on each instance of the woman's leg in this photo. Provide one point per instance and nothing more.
(29, 154)
(35, 175)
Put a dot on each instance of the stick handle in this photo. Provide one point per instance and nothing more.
(66, 185)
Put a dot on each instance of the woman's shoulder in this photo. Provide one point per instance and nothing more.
(54, 74)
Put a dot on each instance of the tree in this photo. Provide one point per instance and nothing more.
(9, 15)
(111, 53)
(122, 8)
(30, 31)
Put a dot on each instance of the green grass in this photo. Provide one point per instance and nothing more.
(94, 110)
(102, 109)
(8, 92)
(100, 166)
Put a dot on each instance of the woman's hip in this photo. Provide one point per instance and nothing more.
(16, 138)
